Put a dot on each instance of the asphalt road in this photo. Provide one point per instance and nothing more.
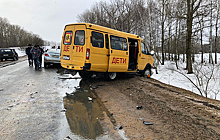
(47, 105)
(31, 106)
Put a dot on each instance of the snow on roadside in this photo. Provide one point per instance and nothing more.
(172, 77)
(20, 51)
(67, 84)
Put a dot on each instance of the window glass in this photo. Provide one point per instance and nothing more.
(119, 43)
(97, 39)
(68, 38)
(106, 41)
(143, 48)
(79, 38)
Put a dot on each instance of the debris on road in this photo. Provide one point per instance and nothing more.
(78, 88)
(118, 127)
(147, 123)
(67, 138)
(69, 95)
(64, 110)
(139, 107)
(90, 99)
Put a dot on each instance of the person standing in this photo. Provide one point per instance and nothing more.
(28, 52)
(35, 51)
(40, 58)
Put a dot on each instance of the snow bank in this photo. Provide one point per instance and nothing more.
(20, 51)
(168, 74)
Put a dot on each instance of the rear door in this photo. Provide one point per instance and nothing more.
(118, 59)
(73, 52)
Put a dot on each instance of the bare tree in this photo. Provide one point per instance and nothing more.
(216, 29)
(15, 35)
(192, 7)
(203, 79)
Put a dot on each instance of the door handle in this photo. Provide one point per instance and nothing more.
(111, 51)
(126, 53)
(73, 47)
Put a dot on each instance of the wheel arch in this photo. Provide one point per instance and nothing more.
(148, 66)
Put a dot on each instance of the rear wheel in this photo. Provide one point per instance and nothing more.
(110, 75)
(46, 65)
(15, 58)
(72, 72)
(85, 74)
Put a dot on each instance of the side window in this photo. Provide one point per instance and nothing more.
(144, 48)
(106, 41)
(97, 39)
(79, 37)
(118, 43)
(67, 38)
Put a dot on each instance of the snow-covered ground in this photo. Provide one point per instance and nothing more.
(169, 74)
(20, 51)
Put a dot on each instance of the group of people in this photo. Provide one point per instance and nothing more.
(35, 56)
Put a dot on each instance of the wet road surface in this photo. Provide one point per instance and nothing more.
(46, 105)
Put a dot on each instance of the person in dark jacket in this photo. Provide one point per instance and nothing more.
(40, 58)
(35, 51)
(28, 52)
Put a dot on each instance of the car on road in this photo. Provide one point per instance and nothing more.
(8, 54)
(51, 57)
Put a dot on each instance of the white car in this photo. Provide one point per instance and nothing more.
(51, 56)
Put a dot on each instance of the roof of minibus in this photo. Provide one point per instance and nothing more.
(108, 30)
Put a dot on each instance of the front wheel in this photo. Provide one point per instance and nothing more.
(147, 73)
(110, 75)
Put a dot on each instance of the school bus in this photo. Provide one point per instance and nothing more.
(88, 48)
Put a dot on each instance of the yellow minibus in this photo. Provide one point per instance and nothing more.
(87, 48)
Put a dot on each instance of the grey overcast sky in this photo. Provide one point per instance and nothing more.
(46, 18)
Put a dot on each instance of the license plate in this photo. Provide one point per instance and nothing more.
(66, 58)
(5, 55)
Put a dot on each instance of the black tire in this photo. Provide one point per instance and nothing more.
(46, 65)
(147, 72)
(73, 72)
(15, 58)
(110, 75)
(86, 74)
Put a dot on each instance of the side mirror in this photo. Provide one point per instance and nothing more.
(152, 53)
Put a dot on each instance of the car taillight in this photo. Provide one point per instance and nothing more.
(87, 53)
(10, 54)
(46, 54)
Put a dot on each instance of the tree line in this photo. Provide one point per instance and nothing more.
(171, 27)
(15, 35)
